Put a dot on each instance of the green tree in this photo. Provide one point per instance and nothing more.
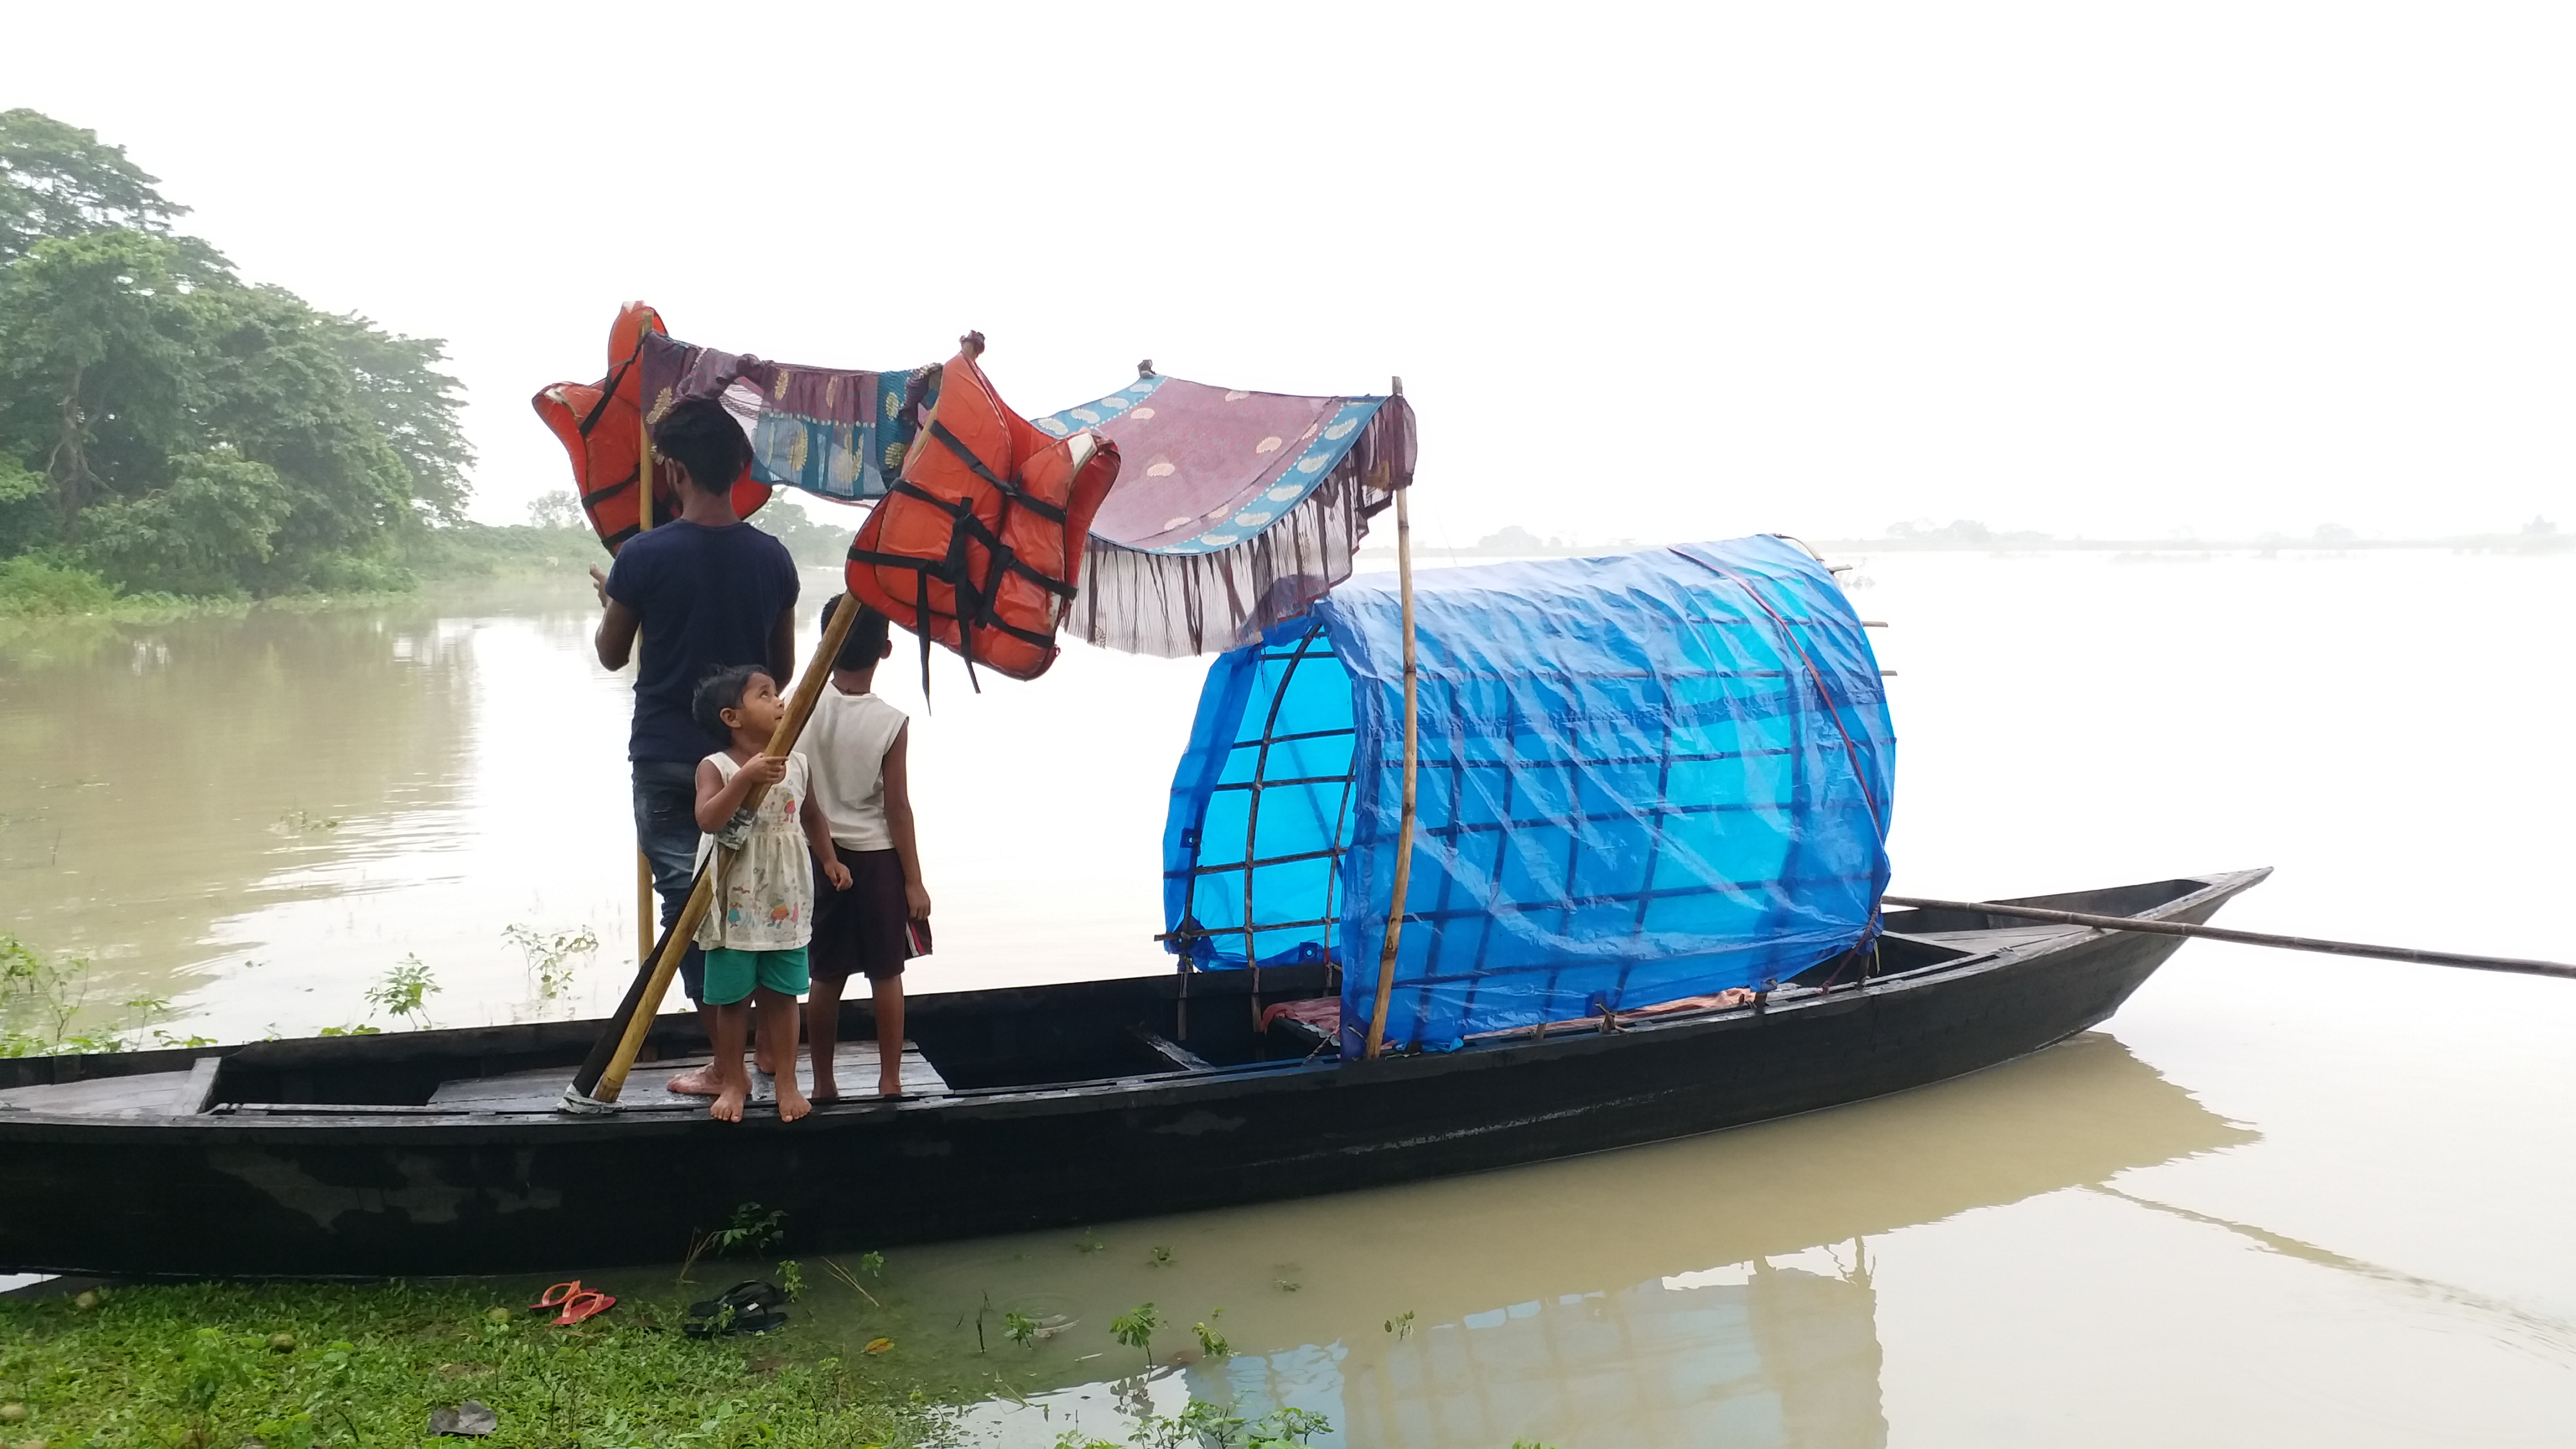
(175, 429)
(557, 509)
(218, 519)
(96, 362)
(397, 382)
(58, 180)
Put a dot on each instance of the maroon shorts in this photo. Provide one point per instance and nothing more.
(861, 931)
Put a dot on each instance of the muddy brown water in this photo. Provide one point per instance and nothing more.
(2276, 1200)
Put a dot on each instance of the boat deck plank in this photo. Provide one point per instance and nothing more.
(854, 1063)
(144, 1094)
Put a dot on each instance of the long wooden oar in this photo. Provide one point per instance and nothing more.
(644, 1005)
(2248, 938)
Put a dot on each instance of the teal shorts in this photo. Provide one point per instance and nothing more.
(732, 974)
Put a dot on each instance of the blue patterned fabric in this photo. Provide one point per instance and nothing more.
(839, 433)
(1642, 778)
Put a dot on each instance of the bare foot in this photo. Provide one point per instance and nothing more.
(728, 1107)
(827, 1088)
(701, 1083)
(890, 1084)
(791, 1102)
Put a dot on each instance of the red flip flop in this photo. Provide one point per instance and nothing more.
(588, 1303)
(574, 1303)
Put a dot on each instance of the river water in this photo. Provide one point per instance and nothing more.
(2278, 1199)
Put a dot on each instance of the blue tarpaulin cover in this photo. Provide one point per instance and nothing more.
(1642, 778)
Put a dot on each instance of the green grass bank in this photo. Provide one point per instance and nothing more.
(39, 587)
(214, 1366)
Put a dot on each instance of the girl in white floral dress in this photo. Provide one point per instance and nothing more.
(755, 933)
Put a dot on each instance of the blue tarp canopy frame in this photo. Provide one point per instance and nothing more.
(1642, 778)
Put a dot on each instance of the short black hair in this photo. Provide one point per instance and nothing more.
(699, 435)
(868, 633)
(721, 691)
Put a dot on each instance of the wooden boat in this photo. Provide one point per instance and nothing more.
(442, 1151)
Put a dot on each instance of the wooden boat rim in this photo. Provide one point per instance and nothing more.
(300, 1119)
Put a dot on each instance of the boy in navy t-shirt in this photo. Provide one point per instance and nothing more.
(707, 591)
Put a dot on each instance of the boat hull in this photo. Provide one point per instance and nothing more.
(314, 1192)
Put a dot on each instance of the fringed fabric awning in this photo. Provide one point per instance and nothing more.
(1235, 510)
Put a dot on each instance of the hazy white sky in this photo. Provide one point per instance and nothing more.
(1654, 272)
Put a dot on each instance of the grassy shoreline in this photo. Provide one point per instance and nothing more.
(38, 589)
(294, 1366)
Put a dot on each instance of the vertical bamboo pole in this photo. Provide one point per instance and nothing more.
(1404, 830)
(644, 912)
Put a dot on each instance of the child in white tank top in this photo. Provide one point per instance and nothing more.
(858, 747)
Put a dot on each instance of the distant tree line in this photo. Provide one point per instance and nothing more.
(170, 427)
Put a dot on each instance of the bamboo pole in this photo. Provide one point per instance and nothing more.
(644, 912)
(645, 915)
(809, 688)
(2515, 964)
(1404, 829)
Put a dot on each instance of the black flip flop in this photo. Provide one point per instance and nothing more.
(747, 1307)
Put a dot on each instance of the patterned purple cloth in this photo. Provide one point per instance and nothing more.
(836, 432)
(1234, 510)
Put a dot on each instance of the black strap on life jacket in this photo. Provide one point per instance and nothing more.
(607, 394)
(976, 602)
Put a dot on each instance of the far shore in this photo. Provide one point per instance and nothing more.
(2500, 543)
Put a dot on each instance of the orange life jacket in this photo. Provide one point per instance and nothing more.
(596, 422)
(979, 545)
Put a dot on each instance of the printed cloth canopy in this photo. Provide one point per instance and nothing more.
(1642, 778)
(835, 432)
(1234, 510)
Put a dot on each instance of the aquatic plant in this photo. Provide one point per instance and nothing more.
(1158, 1256)
(844, 1275)
(300, 821)
(1089, 1242)
(1401, 1325)
(751, 1228)
(1201, 1423)
(41, 997)
(1211, 1342)
(1020, 1328)
(404, 992)
(1135, 1328)
(550, 956)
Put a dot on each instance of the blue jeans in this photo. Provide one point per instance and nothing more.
(666, 830)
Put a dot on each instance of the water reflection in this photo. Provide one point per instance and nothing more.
(1717, 1290)
(317, 793)
(260, 815)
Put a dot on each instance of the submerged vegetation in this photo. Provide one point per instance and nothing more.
(50, 1007)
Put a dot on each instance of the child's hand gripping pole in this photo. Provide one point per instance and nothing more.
(675, 942)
